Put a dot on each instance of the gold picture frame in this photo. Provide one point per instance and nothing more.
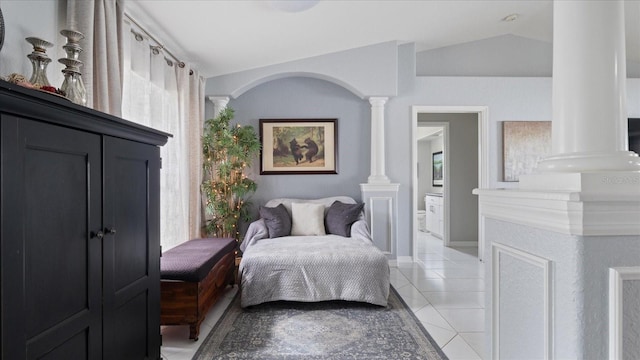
(299, 146)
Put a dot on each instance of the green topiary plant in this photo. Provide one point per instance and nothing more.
(227, 151)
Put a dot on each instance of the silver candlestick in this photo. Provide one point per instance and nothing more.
(73, 86)
(39, 60)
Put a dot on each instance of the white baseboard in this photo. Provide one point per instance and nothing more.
(463, 243)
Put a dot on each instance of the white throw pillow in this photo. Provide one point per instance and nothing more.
(307, 219)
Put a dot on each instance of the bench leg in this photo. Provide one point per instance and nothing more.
(194, 331)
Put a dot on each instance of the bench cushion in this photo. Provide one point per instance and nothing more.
(192, 260)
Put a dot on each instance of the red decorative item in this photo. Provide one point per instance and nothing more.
(49, 89)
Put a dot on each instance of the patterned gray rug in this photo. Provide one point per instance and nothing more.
(318, 331)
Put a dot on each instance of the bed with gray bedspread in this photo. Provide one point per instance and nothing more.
(312, 268)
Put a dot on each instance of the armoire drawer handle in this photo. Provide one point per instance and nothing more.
(98, 234)
(111, 231)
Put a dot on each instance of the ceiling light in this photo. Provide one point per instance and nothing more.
(510, 17)
(293, 5)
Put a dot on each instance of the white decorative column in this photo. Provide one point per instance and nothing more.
(589, 89)
(377, 175)
(379, 194)
(219, 103)
(552, 244)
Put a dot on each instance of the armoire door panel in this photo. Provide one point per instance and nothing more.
(131, 263)
(76, 347)
(53, 270)
(54, 287)
(131, 341)
(128, 215)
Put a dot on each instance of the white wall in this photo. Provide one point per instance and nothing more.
(351, 69)
(578, 288)
(24, 18)
(507, 98)
(505, 55)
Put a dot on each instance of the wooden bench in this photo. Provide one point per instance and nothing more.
(193, 276)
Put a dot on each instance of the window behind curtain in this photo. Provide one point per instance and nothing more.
(150, 98)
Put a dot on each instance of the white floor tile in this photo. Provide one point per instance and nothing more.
(414, 298)
(437, 264)
(458, 349)
(428, 315)
(464, 320)
(460, 273)
(416, 274)
(456, 299)
(426, 256)
(409, 266)
(440, 335)
(397, 279)
(477, 341)
(434, 285)
(176, 344)
(461, 254)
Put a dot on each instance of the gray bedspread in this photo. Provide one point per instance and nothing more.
(313, 268)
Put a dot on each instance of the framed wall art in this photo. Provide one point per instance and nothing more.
(524, 143)
(299, 146)
(437, 168)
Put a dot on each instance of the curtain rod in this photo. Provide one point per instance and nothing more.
(160, 46)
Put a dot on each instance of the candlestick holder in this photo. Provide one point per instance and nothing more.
(39, 61)
(73, 86)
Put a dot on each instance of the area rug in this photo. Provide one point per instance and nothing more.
(319, 331)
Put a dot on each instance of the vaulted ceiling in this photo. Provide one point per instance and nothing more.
(225, 36)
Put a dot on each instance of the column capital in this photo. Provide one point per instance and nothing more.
(219, 100)
(378, 100)
(219, 103)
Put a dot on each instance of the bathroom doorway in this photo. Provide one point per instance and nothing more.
(430, 185)
(463, 137)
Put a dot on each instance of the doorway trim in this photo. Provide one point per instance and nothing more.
(483, 165)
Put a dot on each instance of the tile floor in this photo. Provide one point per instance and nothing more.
(444, 288)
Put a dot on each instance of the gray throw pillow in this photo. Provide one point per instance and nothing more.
(277, 219)
(341, 216)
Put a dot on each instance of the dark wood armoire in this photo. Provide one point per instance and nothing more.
(80, 231)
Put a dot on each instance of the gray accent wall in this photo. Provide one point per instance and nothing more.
(463, 173)
(304, 98)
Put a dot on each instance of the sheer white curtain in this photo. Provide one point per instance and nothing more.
(191, 106)
(157, 93)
